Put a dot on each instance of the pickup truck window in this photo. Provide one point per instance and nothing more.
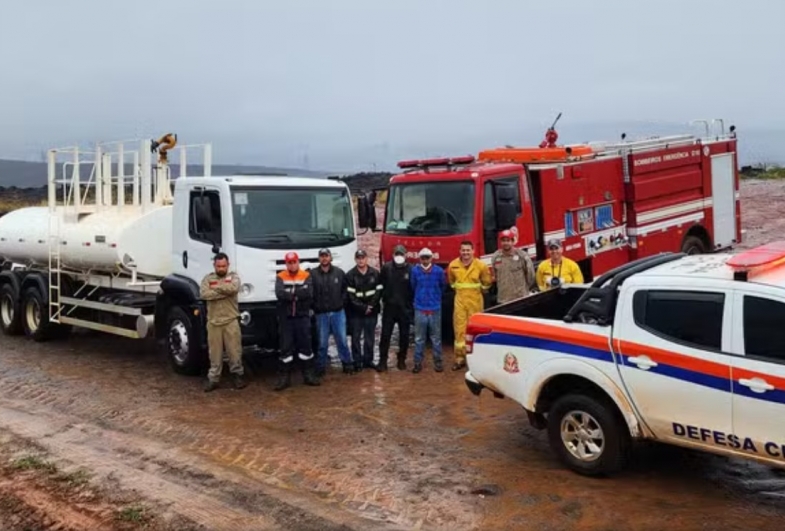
(764, 328)
(690, 317)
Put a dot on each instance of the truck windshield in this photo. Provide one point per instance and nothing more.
(435, 208)
(290, 218)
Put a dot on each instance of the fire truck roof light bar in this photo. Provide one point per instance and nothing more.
(426, 163)
(758, 259)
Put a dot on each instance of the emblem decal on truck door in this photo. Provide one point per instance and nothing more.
(510, 363)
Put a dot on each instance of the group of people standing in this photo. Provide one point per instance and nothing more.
(404, 295)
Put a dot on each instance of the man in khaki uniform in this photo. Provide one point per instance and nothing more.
(513, 270)
(219, 290)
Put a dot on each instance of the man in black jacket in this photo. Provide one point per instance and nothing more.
(396, 307)
(294, 291)
(364, 291)
(329, 301)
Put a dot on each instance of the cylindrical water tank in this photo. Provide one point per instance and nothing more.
(99, 242)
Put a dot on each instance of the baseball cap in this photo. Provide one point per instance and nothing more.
(554, 244)
(292, 257)
(360, 253)
(425, 252)
(325, 251)
(506, 234)
(399, 249)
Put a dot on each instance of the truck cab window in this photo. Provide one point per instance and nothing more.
(490, 228)
(764, 333)
(204, 218)
(693, 318)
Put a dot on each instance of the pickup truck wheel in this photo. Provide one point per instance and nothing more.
(10, 315)
(587, 435)
(182, 349)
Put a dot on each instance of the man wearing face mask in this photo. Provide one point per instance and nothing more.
(396, 307)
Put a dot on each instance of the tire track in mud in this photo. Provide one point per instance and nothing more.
(359, 479)
(164, 474)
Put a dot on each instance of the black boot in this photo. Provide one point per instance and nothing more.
(210, 386)
(401, 362)
(382, 366)
(348, 368)
(239, 381)
(284, 376)
(309, 376)
(358, 366)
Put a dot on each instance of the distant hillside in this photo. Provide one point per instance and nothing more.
(22, 174)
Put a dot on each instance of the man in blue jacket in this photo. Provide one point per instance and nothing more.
(428, 282)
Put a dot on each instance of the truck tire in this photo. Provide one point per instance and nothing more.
(182, 348)
(35, 315)
(10, 313)
(693, 245)
(588, 435)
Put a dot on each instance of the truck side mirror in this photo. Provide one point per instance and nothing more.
(366, 211)
(504, 203)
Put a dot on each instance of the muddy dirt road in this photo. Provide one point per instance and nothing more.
(97, 433)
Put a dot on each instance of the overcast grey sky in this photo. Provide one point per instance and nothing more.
(357, 82)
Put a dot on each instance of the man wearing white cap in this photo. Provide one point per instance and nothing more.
(428, 282)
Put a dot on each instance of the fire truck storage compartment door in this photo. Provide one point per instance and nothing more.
(723, 199)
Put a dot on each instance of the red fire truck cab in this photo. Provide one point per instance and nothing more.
(607, 203)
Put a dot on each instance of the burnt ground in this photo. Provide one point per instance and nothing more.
(96, 432)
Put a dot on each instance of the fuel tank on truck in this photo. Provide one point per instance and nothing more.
(100, 241)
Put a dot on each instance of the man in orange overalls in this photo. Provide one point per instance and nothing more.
(469, 277)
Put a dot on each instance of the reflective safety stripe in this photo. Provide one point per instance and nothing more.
(370, 293)
(304, 357)
(467, 285)
(379, 287)
(293, 282)
(288, 359)
(351, 290)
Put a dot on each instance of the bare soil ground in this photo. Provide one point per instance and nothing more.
(96, 432)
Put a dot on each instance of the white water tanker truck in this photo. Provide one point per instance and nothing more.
(122, 245)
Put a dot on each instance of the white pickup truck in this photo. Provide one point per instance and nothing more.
(684, 350)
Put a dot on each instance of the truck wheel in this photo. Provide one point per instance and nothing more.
(35, 315)
(182, 348)
(693, 245)
(587, 435)
(10, 314)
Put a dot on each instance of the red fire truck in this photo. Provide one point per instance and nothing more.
(608, 203)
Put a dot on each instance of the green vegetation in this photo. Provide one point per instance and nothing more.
(73, 479)
(32, 462)
(763, 172)
(134, 514)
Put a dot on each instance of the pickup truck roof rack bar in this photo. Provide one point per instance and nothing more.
(599, 300)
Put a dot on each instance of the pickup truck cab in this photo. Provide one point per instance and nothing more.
(686, 350)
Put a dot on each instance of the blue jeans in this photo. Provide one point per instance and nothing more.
(332, 323)
(430, 324)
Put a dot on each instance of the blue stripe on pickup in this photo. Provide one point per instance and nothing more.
(695, 377)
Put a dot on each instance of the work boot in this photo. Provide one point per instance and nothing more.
(210, 385)
(348, 368)
(358, 366)
(320, 372)
(309, 376)
(417, 368)
(368, 364)
(458, 365)
(438, 366)
(239, 382)
(284, 378)
(382, 365)
(401, 363)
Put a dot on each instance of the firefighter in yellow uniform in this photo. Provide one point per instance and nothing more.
(558, 270)
(469, 277)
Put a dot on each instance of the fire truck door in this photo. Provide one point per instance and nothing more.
(723, 199)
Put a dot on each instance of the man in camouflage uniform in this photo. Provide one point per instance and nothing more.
(219, 289)
(513, 270)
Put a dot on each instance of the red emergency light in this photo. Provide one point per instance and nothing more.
(758, 259)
